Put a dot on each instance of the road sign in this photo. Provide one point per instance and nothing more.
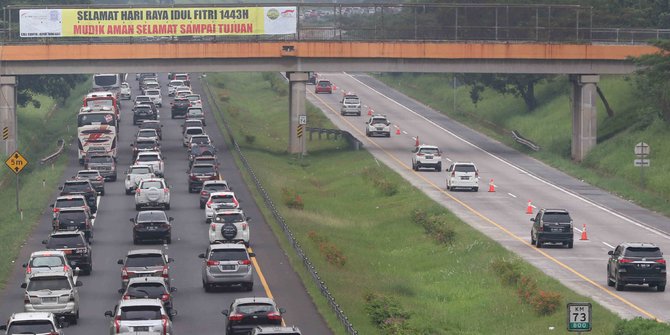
(300, 130)
(16, 162)
(302, 119)
(5, 133)
(642, 162)
(579, 317)
(642, 149)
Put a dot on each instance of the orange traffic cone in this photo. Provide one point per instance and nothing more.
(584, 236)
(416, 143)
(334, 87)
(492, 187)
(397, 131)
(529, 209)
(370, 111)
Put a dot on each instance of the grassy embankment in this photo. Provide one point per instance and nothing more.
(369, 233)
(39, 130)
(609, 165)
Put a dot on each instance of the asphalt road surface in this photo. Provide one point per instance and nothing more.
(502, 214)
(198, 312)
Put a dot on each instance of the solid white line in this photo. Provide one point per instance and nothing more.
(404, 132)
(577, 196)
(577, 229)
(511, 195)
(609, 245)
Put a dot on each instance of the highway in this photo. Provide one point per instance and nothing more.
(198, 312)
(502, 214)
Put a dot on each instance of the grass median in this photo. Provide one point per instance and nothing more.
(39, 130)
(396, 261)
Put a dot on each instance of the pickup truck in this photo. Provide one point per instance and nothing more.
(180, 107)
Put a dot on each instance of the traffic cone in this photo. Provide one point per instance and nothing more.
(529, 209)
(397, 131)
(584, 236)
(334, 87)
(370, 111)
(416, 143)
(492, 187)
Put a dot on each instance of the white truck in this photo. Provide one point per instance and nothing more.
(98, 138)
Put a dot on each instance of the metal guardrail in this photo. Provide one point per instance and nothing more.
(344, 320)
(526, 142)
(61, 145)
(337, 133)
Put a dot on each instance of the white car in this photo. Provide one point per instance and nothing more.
(182, 92)
(155, 95)
(147, 134)
(48, 261)
(153, 193)
(220, 201)
(190, 131)
(135, 174)
(195, 99)
(33, 323)
(199, 140)
(426, 156)
(230, 225)
(153, 158)
(378, 125)
(463, 175)
(142, 99)
(125, 92)
(147, 316)
(172, 86)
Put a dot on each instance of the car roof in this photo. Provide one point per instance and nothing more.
(23, 316)
(146, 153)
(73, 209)
(140, 302)
(277, 330)
(53, 273)
(639, 245)
(222, 193)
(76, 181)
(223, 246)
(421, 146)
(144, 251)
(153, 179)
(151, 121)
(204, 165)
(215, 182)
(555, 210)
(88, 171)
(139, 166)
(69, 197)
(66, 232)
(47, 253)
(187, 128)
(152, 279)
(251, 300)
(230, 211)
(464, 163)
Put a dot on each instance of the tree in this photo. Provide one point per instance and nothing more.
(55, 86)
(653, 80)
(519, 85)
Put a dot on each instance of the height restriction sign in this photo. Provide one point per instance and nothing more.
(16, 162)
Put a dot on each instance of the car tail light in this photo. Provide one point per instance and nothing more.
(28, 270)
(124, 274)
(274, 316)
(164, 321)
(165, 190)
(99, 178)
(212, 263)
(117, 324)
(26, 299)
(244, 226)
(165, 272)
(203, 193)
(209, 204)
(660, 261)
(137, 191)
(244, 262)
(625, 260)
(476, 174)
(213, 226)
(193, 177)
(235, 317)
(165, 297)
(56, 209)
(420, 154)
(126, 297)
(237, 204)
(453, 173)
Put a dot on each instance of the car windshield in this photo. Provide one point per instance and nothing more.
(88, 174)
(100, 103)
(150, 125)
(143, 109)
(194, 131)
(101, 159)
(145, 145)
(351, 100)
(146, 133)
(76, 187)
(176, 83)
(378, 121)
(48, 283)
(194, 112)
(193, 123)
(151, 216)
(140, 170)
(75, 217)
(62, 203)
(152, 92)
(228, 255)
(65, 241)
(149, 290)
(46, 261)
(254, 308)
(229, 218)
(215, 187)
(556, 217)
(31, 327)
(324, 83)
(193, 97)
(643, 252)
(429, 151)
(142, 98)
(203, 169)
(141, 313)
(151, 183)
(147, 158)
(200, 140)
(89, 119)
(465, 168)
(222, 199)
(145, 260)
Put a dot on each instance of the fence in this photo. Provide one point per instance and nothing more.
(526, 142)
(337, 133)
(61, 145)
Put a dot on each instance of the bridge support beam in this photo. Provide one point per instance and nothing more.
(8, 124)
(296, 101)
(584, 114)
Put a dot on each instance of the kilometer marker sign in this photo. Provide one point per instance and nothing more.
(579, 317)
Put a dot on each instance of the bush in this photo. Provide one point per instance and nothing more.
(542, 302)
(292, 199)
(387, 314)
(333, 254)
(508, 271)
(640, 326)
(437, 226)
(374, 175)
(546, 303)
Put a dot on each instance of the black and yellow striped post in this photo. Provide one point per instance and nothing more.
(5, 133)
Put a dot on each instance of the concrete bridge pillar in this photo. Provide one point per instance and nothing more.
(584, 114)
(8, 124)
(296, 101)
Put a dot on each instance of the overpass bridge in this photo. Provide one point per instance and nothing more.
(327, 38)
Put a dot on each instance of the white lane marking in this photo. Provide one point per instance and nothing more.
(511, 195)
(447, 158)
(561, 189)
(609, 245)
(577, 229)
(404, 132)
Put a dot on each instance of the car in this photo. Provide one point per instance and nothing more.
(153, 124)
(323, 86)
(172, 86)
(227, 264)
(104, 163)
(142, 99)
(144, 145)
(426, 156)
(141, 76)
(147, 133)
(220, 201)
(312, 78)
(155, 95)
(552, 226)
(74, 245)
(179, 107)
(636, 263)
(125, 92)
(199, 173)
(196, 113)
(203, 159)
(195, 99)
(463, 175)
(198, 140)
(149, 288)
(143, 112)
(351, 104)
(191, 123)
(144, 263)
(94, 176)
(230, 226)
(188, 132)
(152, 193)
(245, 314)
(48, 261)
(153, 158)
(140, 315)
(378, 125)
(72, 219)
(149, 84)
(184, 77)
(182, 91)
(34, 323)
(210, 186)
(275, 330)
(54, 292)
(69, 201)
(82, 187)
(199, 150)
(153, 226)
(135, 174)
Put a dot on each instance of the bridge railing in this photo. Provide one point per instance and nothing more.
(393, 22)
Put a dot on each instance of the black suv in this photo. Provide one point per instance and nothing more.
(143, 112)
(180, 107)
(636, 263)
(74, 218)
(552, 225)
(152, 225)
(75, 247)
(83, 187)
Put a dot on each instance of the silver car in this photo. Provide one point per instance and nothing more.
(152, 192)
(225, 265)
(140, 315)
(54, 292)
(153, 158)
(47, 261)
(38, 323)
(144, 263)
(135, 174)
